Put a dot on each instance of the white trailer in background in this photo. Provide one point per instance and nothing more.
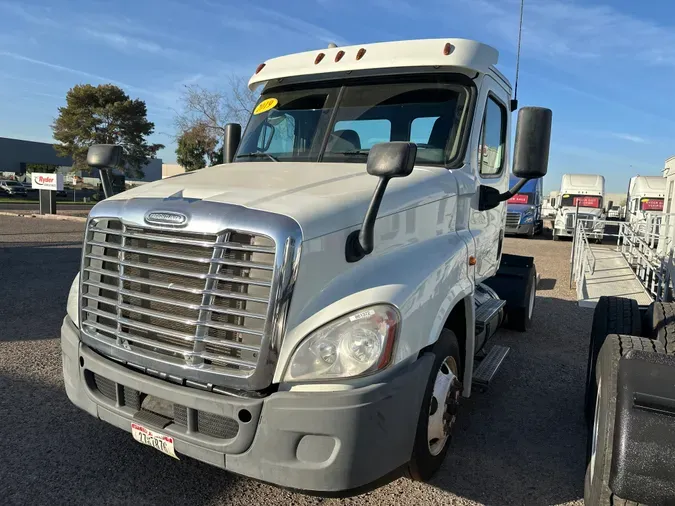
(581, 198)
(645, 198)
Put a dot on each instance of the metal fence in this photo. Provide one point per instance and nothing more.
(645, 246)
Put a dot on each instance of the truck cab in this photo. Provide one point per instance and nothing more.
(309, 312)
(524, 209)
(581, 199)
(645, 198)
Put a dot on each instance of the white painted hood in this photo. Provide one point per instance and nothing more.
(321, 197)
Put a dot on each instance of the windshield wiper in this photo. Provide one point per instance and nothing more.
(351, 152)
(259, 154)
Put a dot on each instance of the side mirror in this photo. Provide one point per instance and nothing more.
(530, 158)
(105, 157)
(533, 140)
(231, 141)
(386, 160)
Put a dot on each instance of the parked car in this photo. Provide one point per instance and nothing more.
(29, 188)
(12, 188)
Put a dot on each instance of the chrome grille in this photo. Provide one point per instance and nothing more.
(512, 219)
(198, 300)
(587, 223)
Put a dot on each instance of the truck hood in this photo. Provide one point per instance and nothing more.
(583, 210)
(321, 197)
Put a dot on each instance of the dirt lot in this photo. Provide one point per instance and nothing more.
(520, 443)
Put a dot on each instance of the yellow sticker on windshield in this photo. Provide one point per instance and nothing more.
(265, 105)
(566, 195)
(644, 200)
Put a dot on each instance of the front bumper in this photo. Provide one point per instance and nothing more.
(569, 232)
(321, 442)
(525, 229)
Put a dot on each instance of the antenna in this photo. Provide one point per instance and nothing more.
(514, 102)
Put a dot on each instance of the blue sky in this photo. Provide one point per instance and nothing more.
(606, 70)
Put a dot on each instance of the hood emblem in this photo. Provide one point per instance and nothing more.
(166, 218)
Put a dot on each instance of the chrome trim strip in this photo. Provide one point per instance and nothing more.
(208, 219)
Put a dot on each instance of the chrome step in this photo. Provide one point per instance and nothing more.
(486, 312)
(489, 366)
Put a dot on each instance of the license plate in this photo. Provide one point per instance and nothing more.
(158, 441)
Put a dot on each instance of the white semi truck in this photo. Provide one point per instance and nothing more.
(645, 198)
(581, 198)
(308, 313)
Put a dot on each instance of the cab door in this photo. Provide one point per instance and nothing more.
(489, 163)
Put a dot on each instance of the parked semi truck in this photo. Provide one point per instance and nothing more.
(645, 198)
(309, 313)
(524, 209)
(581, 198)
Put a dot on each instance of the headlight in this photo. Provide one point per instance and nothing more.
(356, 344)
(73, 296)
(527, 218)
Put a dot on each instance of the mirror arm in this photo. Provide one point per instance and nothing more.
(361, 242)
(511, 192)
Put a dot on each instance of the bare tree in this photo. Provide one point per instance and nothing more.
(213, 109)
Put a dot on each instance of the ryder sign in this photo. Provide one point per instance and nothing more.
(47, 181)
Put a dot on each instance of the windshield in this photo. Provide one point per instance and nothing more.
(342, 123)
(651, 204)
(522, 198)
(593, 201)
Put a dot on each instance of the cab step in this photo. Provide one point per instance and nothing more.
(489, 366)
(486, 312)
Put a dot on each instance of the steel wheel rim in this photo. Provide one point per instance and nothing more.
(596, 432)
(443, 406)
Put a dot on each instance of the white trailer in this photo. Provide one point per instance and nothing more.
(645, 198)
(309, 313)
(581, 198)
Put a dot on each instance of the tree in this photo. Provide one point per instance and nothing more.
(46, 168)
(104, 114)
(195, 146)
(211, 110)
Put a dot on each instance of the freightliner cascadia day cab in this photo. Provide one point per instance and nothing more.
(645, 198)
(308, 313)
(524, 209)
(585, 194)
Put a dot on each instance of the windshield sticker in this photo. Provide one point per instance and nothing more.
(651, 205)
(265, 105)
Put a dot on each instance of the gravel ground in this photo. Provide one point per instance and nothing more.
(520, 443)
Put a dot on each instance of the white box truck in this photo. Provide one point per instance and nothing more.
(308, 313)
(581, 198)
(645, 198)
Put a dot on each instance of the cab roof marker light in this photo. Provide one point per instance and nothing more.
(260, 67)
(318, 58)
(360, 53)
(339, 56)
(447, 49)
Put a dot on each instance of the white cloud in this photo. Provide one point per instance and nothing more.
(36, 16)
(572, 31)
(628, 137)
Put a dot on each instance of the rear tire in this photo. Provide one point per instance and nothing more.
(601, 434)
(520, 318)
(429, 451)
(660, 324)
(612, 315)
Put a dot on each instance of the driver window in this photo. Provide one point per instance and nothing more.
(492, 139)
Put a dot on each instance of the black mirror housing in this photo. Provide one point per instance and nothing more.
(533, 140)
(385, 161)
(231, 141)
(104, 156)
(391, 159)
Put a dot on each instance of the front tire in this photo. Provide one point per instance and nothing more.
(439, 409)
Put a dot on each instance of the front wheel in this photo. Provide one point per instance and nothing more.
(439, 409)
